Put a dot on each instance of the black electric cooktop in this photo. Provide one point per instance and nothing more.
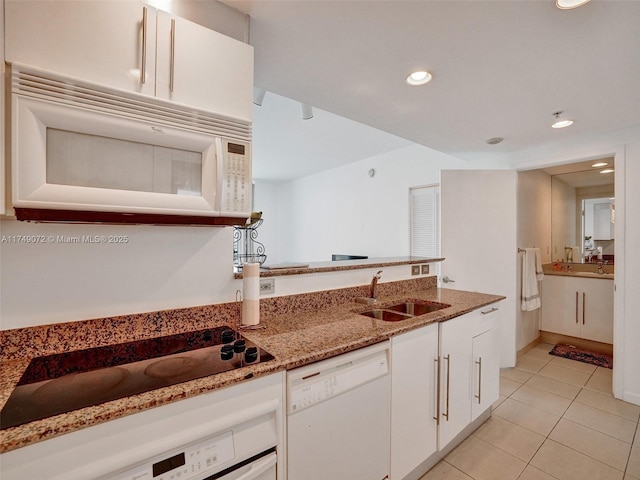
(64, 382)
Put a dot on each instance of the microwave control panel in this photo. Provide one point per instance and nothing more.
(236, 182)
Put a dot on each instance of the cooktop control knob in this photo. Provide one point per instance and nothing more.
(228, 336)
(239, 346)
(251, 355)
(226, 352)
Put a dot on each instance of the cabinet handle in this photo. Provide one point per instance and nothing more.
(576, 307)
(437, 417)
(143, 69)
(584, 297)
(479, 395)
(173, 53)
(487, 312)
(448, 359)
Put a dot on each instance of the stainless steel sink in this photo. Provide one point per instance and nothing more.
(404, 310)
(386, 315)
(415, 308)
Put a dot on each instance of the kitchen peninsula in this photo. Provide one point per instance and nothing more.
(340, 265)
(297, 330)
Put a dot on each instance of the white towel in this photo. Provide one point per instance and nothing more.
(531, 275)
(573, 254)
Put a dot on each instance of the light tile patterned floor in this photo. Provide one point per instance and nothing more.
(555, 420)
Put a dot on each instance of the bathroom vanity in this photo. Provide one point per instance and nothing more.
(579, 305)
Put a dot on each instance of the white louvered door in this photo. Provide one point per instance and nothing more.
(425, 223)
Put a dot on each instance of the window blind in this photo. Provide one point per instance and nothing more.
(425, 223)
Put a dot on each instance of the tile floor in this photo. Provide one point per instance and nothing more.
(555, 420)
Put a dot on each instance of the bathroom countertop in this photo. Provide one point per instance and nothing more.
(294, 338)
(601, 276)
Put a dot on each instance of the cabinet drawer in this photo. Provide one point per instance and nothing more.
(486, 318)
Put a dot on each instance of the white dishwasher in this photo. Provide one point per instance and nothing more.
(338, 424)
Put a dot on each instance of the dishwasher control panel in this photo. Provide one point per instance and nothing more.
(185, 464)
(318, 382)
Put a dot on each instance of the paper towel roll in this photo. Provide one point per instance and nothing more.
(251, 294)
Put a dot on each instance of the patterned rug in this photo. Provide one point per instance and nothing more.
(575, 353)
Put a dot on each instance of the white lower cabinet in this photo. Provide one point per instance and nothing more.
(455, 377)
(413, 399)
(443, 377)
(222, 428)
(486, 366)
(578, 307)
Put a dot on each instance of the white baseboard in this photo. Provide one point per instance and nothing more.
(631, 397)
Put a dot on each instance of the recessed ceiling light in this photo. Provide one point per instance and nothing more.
(561, 122)
(495, 140)
(419, 78)
(607, 170)
(569, 4)
(600, 164)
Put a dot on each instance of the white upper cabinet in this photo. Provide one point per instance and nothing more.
(603, 221)
(132, 46)
(202, 68)
(97, 41)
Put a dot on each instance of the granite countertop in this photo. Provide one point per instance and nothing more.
(602, 276)
(338, 266)
(294, 339)
(297, 341)
(584, 270)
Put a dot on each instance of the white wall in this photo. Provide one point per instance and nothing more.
(172, 267)
(158, 268)
(534, 230)
(625, 144)
(211, 14)
(345, 211)
(266, 199)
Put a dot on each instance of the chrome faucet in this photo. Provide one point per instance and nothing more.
(600, 268)
(373, 294)
(374, 285)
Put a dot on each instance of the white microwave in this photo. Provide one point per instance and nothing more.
(88, 153)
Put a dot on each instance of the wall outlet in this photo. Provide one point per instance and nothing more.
(424, 269)
(267, 286)
(415, 269)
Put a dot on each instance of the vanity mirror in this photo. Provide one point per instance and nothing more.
(583, 212)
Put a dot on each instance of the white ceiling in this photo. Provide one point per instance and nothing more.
(584, 174)
(286, 147)
(501, 68)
